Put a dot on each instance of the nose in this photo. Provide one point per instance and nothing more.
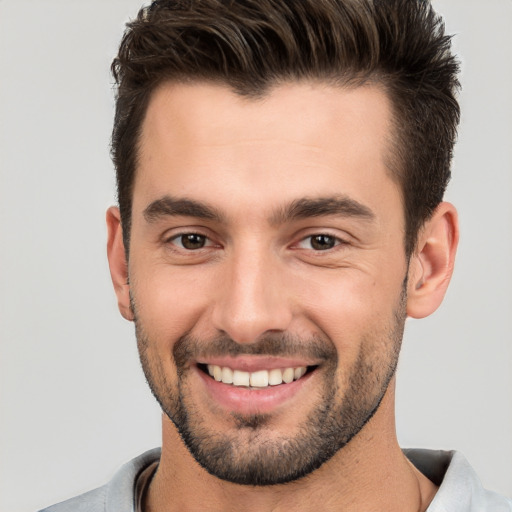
(252, 299)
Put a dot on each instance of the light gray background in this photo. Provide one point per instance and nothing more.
(74, 405)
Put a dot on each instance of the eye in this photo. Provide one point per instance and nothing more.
(320, 242)
(190, 241)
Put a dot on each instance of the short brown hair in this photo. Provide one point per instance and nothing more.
(251, 45)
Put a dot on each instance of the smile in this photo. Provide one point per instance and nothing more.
(255, 385)
(257, 379)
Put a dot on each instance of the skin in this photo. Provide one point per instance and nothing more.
(259, 275)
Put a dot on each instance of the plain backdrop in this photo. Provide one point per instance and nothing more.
(74, 404)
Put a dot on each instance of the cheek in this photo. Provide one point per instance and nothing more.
(170, 301)
(349, 305)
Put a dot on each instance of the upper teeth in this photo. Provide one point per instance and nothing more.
(259, 379)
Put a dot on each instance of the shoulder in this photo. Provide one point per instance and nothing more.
(92, 501)
(118, 494)
(460, 489)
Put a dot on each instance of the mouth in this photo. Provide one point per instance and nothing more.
(257, 384)
(259, 379)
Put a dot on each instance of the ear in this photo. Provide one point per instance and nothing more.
(117, 262)
(431, 265)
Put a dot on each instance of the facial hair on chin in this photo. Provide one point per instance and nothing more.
(244, 454)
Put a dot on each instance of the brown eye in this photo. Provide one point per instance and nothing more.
(322, 242)
(191, 241)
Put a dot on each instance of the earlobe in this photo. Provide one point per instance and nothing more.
(431, 265)
(117, 262)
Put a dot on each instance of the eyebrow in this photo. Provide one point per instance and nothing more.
(168, 206)
(299, 209)
(323, 206)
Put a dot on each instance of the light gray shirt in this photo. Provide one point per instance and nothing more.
(460, 489)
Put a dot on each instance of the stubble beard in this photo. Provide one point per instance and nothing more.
(246, 454)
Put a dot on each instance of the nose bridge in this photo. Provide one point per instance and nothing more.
(252, 300)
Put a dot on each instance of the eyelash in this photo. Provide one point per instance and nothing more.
(180, 236)
(336, 241)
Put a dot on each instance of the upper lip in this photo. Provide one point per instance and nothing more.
(256, 363)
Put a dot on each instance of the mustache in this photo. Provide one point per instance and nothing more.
(190, 348)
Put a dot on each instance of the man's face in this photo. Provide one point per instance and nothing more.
(267, 244)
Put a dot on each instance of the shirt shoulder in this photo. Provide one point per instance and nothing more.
(460, 489)
(118, 494)
(92, 501)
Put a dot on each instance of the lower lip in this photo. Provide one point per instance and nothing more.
(244, 400)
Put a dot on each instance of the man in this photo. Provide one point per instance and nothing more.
(281, 167)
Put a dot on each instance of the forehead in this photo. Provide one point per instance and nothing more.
(214, 113)
(205, 141)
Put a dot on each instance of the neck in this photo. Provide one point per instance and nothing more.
(370, 473)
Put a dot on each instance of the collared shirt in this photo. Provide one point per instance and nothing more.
(460, 489)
